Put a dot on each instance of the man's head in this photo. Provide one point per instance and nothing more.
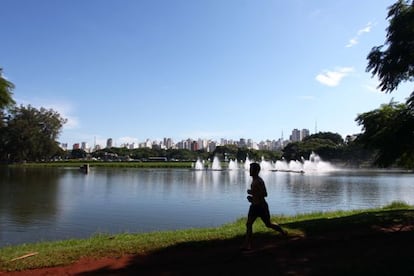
(254, 169)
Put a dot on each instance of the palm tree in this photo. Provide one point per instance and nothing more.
(6, 99)
(6, 88)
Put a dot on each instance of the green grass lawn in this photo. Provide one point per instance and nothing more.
(56, 253)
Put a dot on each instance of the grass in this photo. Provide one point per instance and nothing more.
(132, 164)
(56, 253)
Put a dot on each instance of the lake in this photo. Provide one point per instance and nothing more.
(39, 204)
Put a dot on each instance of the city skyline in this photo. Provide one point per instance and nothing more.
(104, 142)
(210, 69)
(168, 142)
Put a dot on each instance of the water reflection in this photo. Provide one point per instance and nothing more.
(48, 204)
(29, 195)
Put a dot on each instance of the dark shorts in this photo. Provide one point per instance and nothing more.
(259, 211)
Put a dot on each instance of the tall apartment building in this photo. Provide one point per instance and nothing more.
(242, 143)
(194, 146)
(168, 143)
(84, 146)
(109, 143)
(298, 135)
(295, 136)
(304, 133)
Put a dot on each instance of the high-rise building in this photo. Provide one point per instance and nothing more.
(109, 143)
(211, 146)
(242, 143)
(64, 146)
(168, 143)
(295, 136)
(194, 146)
(304, 133)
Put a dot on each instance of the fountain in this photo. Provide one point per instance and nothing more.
(313, 165)
(247, 163)
(199, 165)
(266, 165)
(233, 165)
(216, 164)
(281, 165)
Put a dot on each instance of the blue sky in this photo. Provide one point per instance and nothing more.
(132, 70)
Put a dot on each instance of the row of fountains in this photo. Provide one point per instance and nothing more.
(314, 164)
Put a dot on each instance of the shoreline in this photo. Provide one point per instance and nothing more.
(68, 252)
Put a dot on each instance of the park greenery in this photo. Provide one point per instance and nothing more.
(387, 137)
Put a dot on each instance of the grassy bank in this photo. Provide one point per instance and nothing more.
(47, 254)
(132, 164)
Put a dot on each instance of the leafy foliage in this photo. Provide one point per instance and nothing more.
(6, 99)
(395, 64)
(328, 145)
(6, 88)
(30, 134)
(389, 130)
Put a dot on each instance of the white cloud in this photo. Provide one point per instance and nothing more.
(65, 109)
(366, 29)
(355, 40)
(352, 42)
(372, 86)
(333, 78)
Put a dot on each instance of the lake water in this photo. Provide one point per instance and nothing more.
(60, 203)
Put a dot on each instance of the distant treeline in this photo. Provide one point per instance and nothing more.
(329, 146)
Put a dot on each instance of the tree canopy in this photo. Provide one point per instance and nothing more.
(390, 128)
(30, 134)
(326, 144)
(6, 88)
(393, 62)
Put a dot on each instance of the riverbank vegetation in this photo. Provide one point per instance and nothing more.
(329, 146)
(91, 163)
(57, 253)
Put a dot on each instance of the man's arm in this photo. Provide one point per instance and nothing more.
(258, 189)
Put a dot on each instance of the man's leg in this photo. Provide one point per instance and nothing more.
(266, 220)
(251, 217)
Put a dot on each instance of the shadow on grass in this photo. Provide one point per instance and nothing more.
(379, 243)
(362, 222)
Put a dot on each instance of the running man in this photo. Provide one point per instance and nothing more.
(258, 206)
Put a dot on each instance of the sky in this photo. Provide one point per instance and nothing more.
(133, 70)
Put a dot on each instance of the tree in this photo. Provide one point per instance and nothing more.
(6, 99)
(336, 138)
(6, 88)
(30, 134)
(390, 131)
(395, 64)
(328, 145)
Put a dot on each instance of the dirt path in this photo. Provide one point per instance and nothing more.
(375, 251)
